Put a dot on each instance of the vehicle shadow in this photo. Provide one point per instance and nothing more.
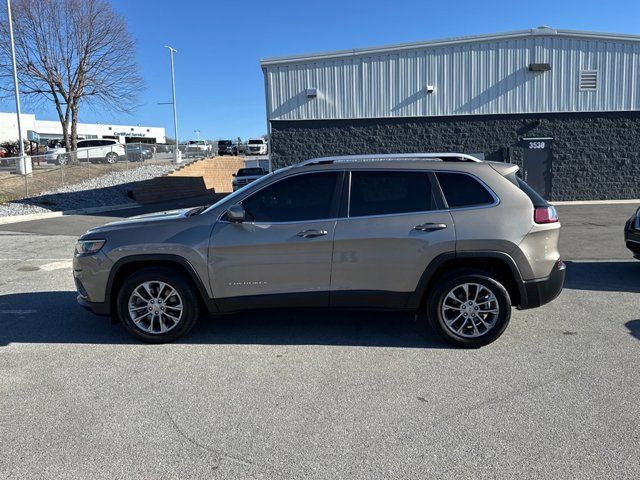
(634, 328)
(611, 276)
(55, 317)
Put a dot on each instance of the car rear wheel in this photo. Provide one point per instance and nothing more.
(157, 305)
(111, 157)
(469, 308)
(63, 159)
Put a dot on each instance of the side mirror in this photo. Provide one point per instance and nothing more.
(236, 213)
(233, 174)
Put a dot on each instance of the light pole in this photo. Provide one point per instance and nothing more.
(22, 166)
(176, 153)
(197, 132)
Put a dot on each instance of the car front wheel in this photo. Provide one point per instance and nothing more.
(469, 309)
(157, 305)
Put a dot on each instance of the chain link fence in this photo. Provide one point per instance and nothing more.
(58, 169)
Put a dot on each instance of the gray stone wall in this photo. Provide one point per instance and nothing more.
(595, 155)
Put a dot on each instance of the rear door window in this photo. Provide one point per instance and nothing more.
(389, 192)
(462, 190)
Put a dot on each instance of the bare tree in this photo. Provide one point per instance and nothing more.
(72, 53)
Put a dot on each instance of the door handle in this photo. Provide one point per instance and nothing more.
(312, 233)
(430, 227)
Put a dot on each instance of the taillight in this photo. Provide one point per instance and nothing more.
(545, 214)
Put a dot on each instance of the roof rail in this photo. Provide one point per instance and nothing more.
(433, 157)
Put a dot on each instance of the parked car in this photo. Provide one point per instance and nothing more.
(55, 143)
(5, 159)
(198, 148)
(257, 146)
(226, 147)
(164, 148)
(457, 240)
(632, 234)
(138, 152)
(96, 150)
(245, 176)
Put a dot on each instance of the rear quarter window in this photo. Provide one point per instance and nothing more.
(462, 190)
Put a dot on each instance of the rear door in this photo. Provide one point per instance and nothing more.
(393, 228)
(280, 256)
(537, 165)
(86, 150)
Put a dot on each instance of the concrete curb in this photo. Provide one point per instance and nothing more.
(596, 202)
(80, 211)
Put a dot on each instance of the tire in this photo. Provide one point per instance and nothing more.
(149, 327)
(63, 159)
(111, 158)
(471, 323)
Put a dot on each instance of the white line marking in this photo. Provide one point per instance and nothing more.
(33, 259)
(17, 312)
(48, 267)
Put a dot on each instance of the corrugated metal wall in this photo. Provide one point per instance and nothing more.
(486, 77)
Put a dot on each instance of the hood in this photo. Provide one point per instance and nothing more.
(169, 215)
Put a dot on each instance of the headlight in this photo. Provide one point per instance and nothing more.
(89, 247)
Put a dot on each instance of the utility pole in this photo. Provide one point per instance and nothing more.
(176, 153)
(22, 166)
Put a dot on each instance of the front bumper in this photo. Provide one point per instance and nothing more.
(99, 308)
(632, 240)
(91, 275)
(541, 291)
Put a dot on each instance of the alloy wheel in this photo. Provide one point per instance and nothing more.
(155, 307)
(470, 310)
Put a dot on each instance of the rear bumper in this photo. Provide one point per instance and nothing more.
(99, 308)
(632, 241)
(541, 291)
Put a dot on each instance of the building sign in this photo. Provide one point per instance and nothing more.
(129, 134)
(32, 136)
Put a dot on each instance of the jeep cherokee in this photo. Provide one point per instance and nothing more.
(457, 240)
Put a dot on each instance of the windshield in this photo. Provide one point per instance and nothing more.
(224, 142)
(256, 142)
(243, 172)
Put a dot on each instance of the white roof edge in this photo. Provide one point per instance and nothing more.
(540, 31)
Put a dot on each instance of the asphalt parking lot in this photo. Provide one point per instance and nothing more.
(316, 395)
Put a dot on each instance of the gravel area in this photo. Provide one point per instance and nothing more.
(105, 190)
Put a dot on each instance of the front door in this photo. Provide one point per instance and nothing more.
(392, 231)
(537, 165)
(280, 256)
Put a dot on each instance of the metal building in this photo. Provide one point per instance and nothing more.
(562, 103)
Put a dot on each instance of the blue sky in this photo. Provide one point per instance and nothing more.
(220, 87)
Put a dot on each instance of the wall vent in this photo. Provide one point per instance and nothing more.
(588, 80)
